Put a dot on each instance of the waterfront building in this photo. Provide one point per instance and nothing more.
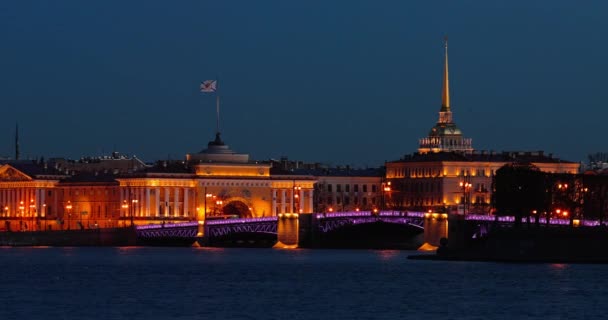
(28, 194)
(343, 188)
(447, 174)
(115, 163)
(457, 181)
(214, 183)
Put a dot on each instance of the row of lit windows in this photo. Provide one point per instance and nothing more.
(346, 201)
(347, 188)
(436, 172)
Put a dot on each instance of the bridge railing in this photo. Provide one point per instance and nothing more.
(353, 214)
(166, 225)
(235, 221)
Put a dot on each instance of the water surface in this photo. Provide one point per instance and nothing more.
(204, 283)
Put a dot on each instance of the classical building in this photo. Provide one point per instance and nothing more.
(462, 181)
(447, 174)
(115, 163)
(343, 188)
(214, 183)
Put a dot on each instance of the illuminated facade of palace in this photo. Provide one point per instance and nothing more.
(447, 173)
(215, 182)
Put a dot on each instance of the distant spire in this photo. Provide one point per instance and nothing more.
(17, 141)
(445, 90)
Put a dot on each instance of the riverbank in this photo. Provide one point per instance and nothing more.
(530, 244)
(71, 238)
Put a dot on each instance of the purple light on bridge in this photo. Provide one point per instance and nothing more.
(167, 225)
(233, 221)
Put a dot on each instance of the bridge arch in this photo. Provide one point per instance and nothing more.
(237, 207)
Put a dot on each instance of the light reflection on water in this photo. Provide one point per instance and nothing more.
(216, 283)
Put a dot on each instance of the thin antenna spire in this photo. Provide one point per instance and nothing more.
(17, 141)
(445, 92)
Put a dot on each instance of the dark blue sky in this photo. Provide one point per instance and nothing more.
(344, 82)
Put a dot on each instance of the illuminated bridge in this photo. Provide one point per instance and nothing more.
(317, 229)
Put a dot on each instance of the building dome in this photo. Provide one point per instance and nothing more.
(445, 129)
(217, 151)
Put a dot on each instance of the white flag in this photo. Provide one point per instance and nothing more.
(209, 86)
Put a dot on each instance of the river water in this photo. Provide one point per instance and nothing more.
(204, 283)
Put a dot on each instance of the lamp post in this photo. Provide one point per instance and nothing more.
(386, 191)
(43, 214)
(125, 206)
(466, 186)
(207, 195)
(296, 197)
(22, 210)
(33, 213)
(69, 207)
(219, 203)
(134, 202)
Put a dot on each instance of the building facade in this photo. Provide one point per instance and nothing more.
(214, 183)
(458, 182)
(446, 174)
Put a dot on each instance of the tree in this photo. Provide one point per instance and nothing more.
(520, 190)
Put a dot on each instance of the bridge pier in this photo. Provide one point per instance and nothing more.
(435, 228)
(287, 230)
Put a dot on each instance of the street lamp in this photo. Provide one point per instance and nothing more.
(295, 197)
(33, 213)
(43, 214)
(207, 195)
(69, 207)
(22, 209)
(125, 206)
(219, 203)
(134, 202)
(386, 189)
(466, 186)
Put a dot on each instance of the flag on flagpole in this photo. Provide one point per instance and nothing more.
(209, 86)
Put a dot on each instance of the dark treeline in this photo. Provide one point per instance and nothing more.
(522, 190)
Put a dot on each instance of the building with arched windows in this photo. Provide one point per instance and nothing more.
(448, 174)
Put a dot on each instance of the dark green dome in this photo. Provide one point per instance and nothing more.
(445, 129)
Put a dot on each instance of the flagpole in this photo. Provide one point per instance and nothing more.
(217, 126)
(217, 107)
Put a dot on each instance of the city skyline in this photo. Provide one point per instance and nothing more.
(358, 86)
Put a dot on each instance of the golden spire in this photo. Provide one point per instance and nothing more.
(445, 92)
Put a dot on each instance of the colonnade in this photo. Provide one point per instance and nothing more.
(156, 202)
(290, 200)
(23, 202)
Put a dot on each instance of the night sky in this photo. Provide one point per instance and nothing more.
(340, 82)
